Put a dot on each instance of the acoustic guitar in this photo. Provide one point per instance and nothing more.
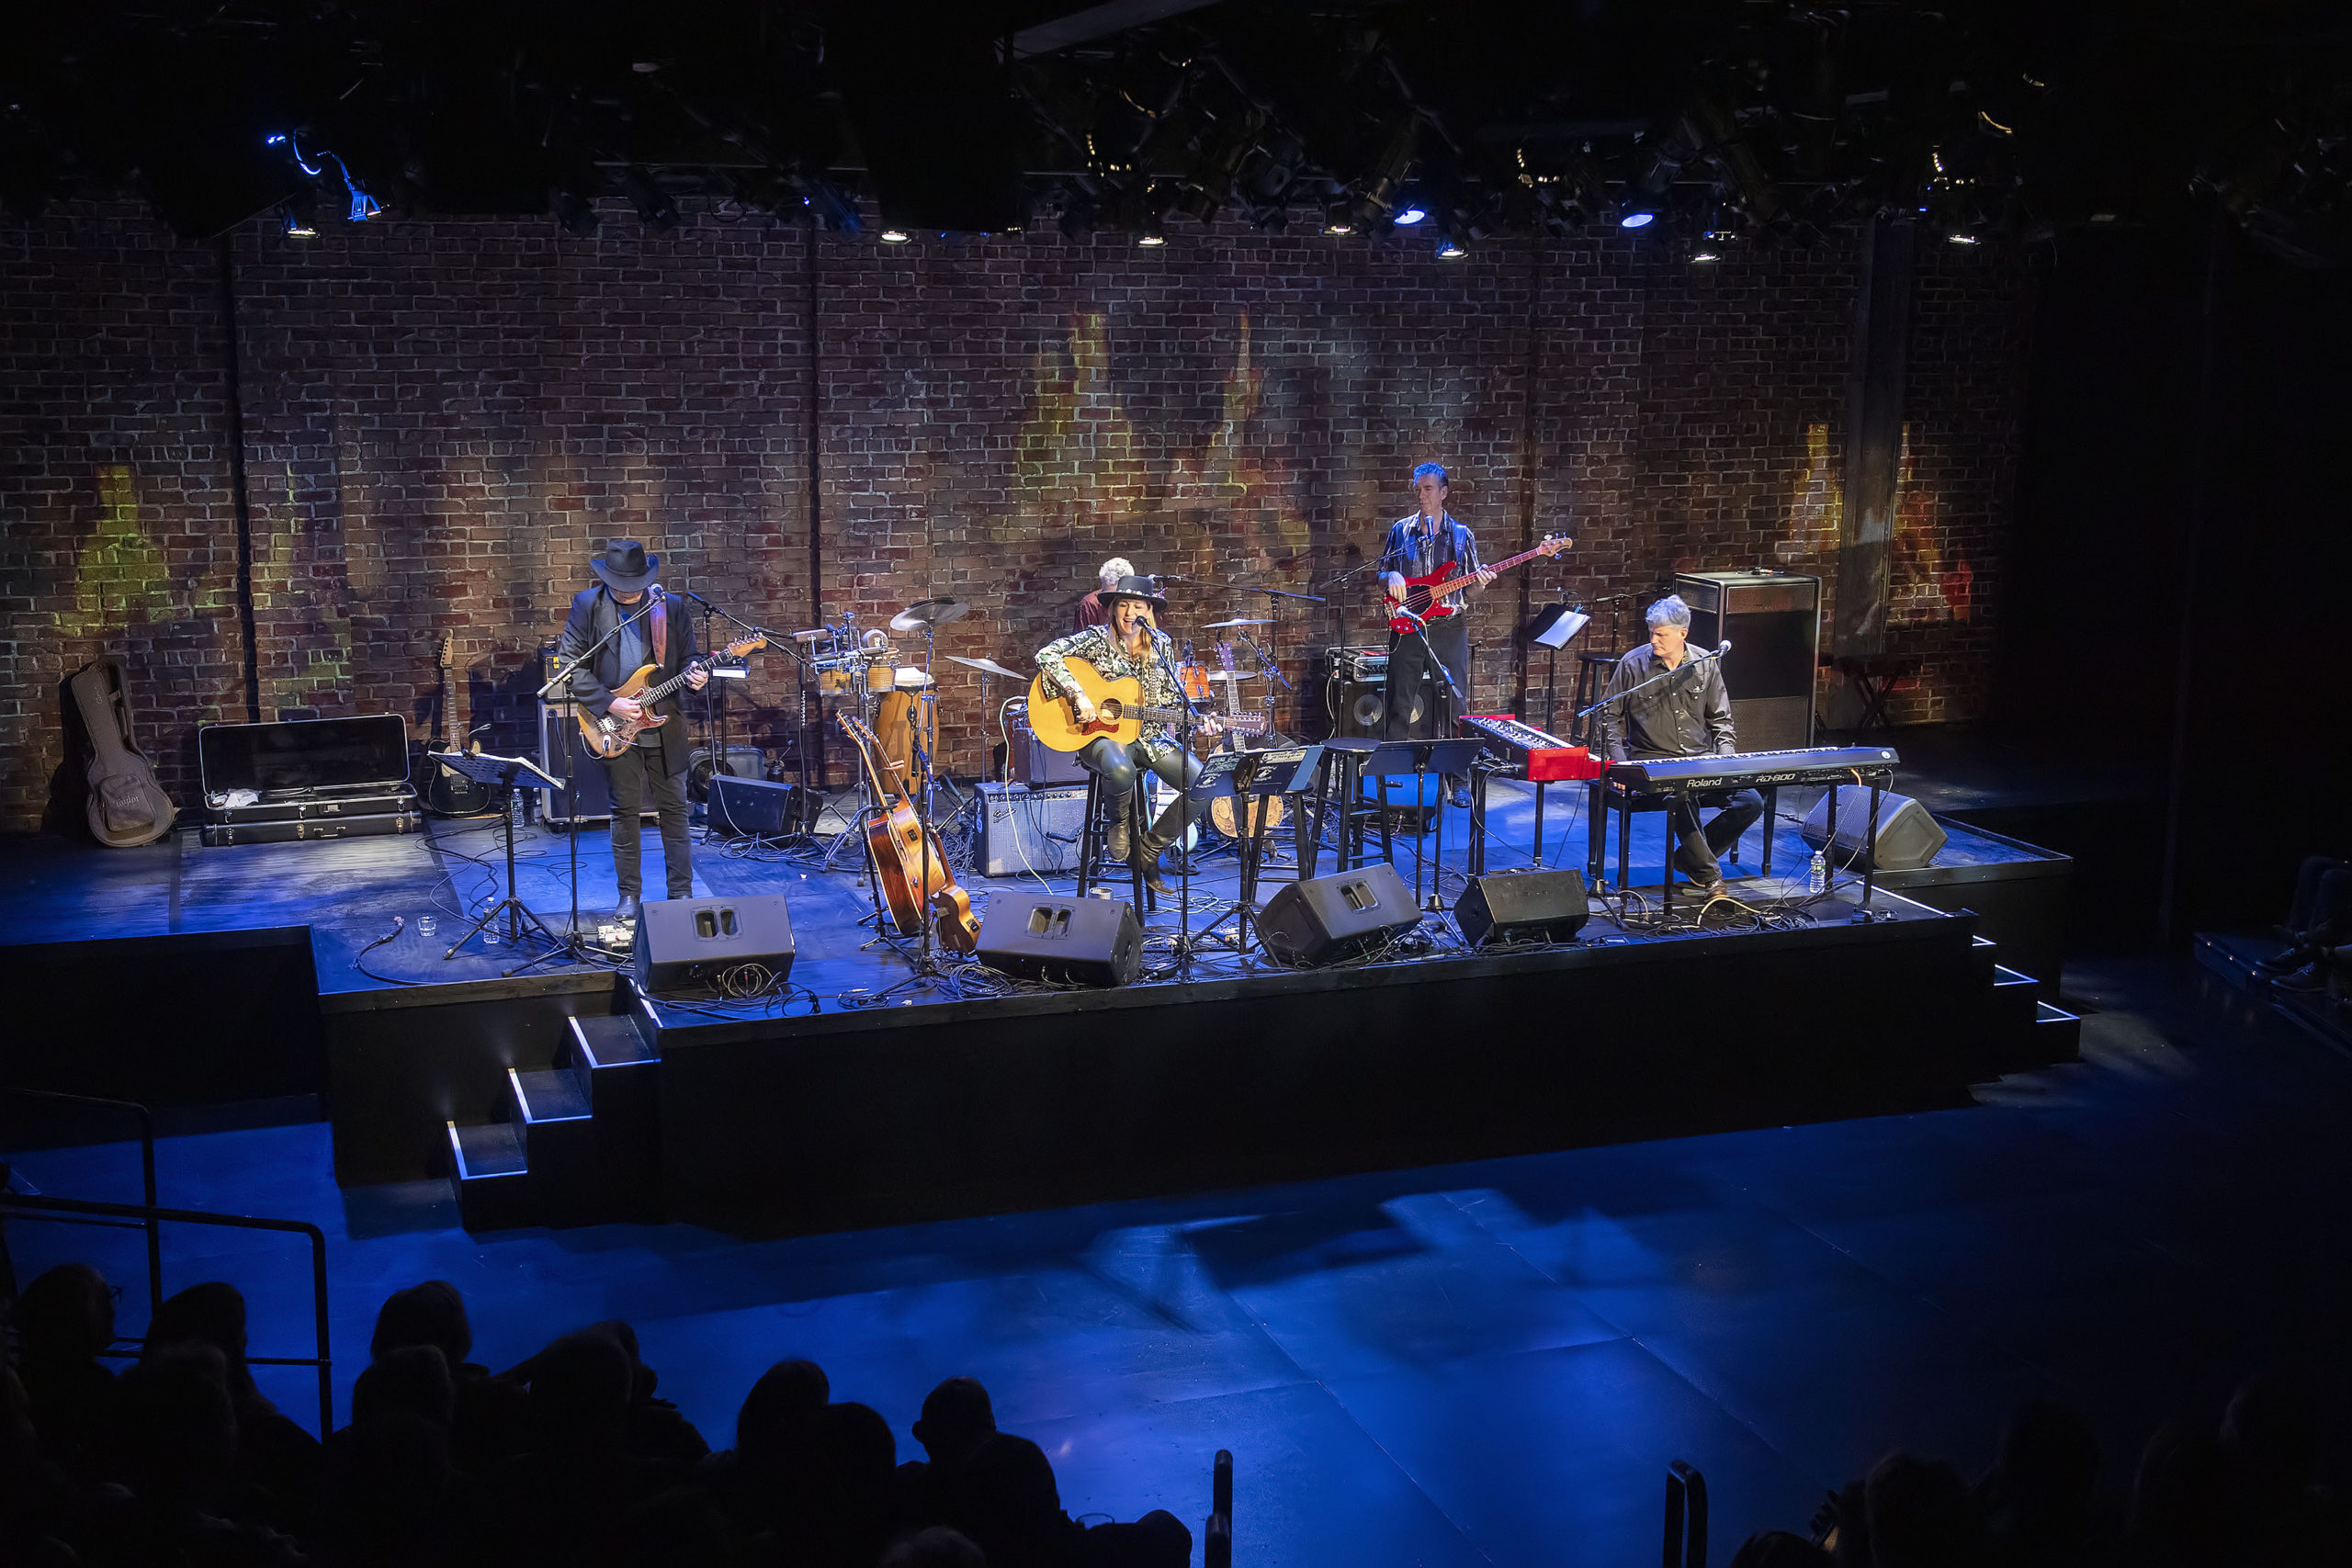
(1422, 593)
(1120, 712)
(610, 736)
(909, 860)
(1223, 814)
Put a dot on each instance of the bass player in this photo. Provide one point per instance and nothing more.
(659, 633)
(1429, 542)
(1132, 646)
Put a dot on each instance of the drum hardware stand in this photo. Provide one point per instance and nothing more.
(572, 946)
(1266, 662)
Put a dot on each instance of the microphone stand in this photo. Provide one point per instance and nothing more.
(571, 945)
(1693, 662)
(1184, 810)
(1420, 774)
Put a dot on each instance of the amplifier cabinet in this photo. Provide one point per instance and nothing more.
(559, 742)
(1773, 619)
(1024, 830)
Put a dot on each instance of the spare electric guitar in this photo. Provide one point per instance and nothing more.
(445, 791)
(909, 860)
(1423, 595)
(1120, 712)
(1223, 815)
(611, 734)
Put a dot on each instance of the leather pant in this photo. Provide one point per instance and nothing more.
(1116, 763)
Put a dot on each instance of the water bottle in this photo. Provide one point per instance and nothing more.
(1818, 880)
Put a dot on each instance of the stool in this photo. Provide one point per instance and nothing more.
(1593, 671)
(1091, 846)
(1622, 803)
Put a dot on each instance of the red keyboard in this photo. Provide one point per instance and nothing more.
(1545, 756)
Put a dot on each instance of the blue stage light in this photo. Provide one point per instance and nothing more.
(1408, 215)
(1638, 220)
(1447, 250)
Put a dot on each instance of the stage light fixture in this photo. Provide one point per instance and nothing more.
(896, 236)
(1151, 237)
(1705, 253)
(1410, 214)
(1637, 218)
(1339, 226)
(1964, 240)
(299, 227)
(1447, 250)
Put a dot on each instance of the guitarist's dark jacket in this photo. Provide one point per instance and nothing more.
(595, 611)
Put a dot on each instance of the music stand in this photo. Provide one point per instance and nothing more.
(505, 775)
(1395, 759)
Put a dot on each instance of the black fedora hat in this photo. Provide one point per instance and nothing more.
(625, 566)
(1144, 588)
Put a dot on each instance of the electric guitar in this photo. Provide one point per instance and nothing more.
(1422, 593)
(1120, 712)
(612, 734)
(909, 860)
(448, 793)
(1226, 813)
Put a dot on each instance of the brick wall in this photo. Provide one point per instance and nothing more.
(443, 420)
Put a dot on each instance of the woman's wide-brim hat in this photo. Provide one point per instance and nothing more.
(1144, 588)
(625, 567)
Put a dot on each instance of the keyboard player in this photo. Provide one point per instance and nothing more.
(1688, 717)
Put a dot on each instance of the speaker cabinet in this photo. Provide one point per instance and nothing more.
(1024, 830)
(1773, 619)
(1908, 836)
(1036, 764)
(1073, 941)
(1326, 919)
(758, 807)
(1522, 906)
(691, 941)
(559, 740)
(1359, 709)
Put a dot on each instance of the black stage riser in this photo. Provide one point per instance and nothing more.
(975, 1108)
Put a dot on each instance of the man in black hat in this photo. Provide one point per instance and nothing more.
(1132, 645)
(654, 630)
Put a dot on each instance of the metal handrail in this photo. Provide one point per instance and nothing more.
(94, 1212)
(147, 1170)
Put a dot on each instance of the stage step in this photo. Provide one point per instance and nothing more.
(492, 1176)
(558, 1132)
(2058, 1033)
(614, 1063)
(2015, 1041)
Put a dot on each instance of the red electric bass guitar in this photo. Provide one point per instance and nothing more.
(1422, 593)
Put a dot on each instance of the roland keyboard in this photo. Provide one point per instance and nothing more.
(1759, 769)
(1545, 756)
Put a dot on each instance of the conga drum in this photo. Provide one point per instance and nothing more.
(893, 724)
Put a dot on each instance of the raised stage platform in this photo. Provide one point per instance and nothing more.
(183, 976)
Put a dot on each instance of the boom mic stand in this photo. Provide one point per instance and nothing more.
(571, 945)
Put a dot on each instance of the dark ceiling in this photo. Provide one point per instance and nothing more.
(1746, 120)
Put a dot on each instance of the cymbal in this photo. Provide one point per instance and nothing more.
(819, 635)
(986, 667)
(1220, 626)
(928, 613)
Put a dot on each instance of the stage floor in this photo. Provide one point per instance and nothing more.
(347, 892)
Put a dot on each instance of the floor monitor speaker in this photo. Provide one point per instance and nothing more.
(1077, 942)
(759, 807)
(1908, 836)
(691, 941)
(1326, 918)
(1522, 906)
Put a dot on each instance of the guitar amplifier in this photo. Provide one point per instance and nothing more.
(1036, 764)
(560, 744)
(1024, 830)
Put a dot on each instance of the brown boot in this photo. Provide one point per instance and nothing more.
(1114, 843)
(1150, 846)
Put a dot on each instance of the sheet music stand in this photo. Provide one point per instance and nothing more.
(505, 775)
(1249, 779)
(1397, 759)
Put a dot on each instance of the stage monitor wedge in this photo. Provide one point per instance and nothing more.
(1522, 906)
(1909, 837)
(693, 942)
(1326, 919)
(1070, 942)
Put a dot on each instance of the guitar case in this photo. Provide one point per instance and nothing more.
(127, 808)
